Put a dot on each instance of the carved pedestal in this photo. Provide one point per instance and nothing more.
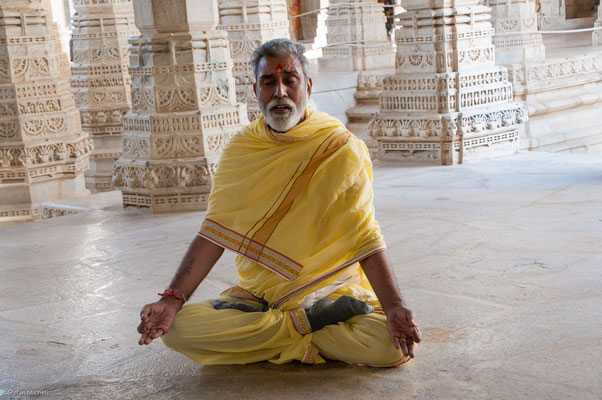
(357, 38)
(43, 151)
(249, 24)
(516, 16)
(184, 108)
(448, 102)
(100, 80)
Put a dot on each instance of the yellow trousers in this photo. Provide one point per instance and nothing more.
(209, 336)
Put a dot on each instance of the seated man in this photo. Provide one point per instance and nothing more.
(292, 196)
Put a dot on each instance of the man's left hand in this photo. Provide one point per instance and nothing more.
(403, 329)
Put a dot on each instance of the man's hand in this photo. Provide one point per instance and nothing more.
(400, 319)
(403, 329)
(157, 318)
(199, 259)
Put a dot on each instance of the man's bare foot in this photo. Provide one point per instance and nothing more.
(328, 312)
(224, 305)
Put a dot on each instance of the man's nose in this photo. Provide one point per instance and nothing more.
(280, 90)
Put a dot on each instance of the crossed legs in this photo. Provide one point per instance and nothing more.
(231, 336)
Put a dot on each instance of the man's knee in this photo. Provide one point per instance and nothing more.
(380, 351)
(186, 325)
(363, 339)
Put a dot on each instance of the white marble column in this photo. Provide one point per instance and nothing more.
(448, 102)
(100, 80)
(249, 24)
(43, 150)
(184, 108)
(520, 18)
(360, 30)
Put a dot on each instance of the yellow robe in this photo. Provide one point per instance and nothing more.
(297, 208)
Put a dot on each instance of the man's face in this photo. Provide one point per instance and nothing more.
(281, 91)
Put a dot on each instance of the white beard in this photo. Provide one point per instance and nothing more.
(283, 123)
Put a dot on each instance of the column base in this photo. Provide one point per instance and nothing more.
(165, 185)
(21, 202)
(167, 203)
(452, 152)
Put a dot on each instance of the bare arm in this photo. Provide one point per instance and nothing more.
(198, 261)
(400, 319)
(158, 317)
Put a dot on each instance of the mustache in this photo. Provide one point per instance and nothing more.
(282, 102)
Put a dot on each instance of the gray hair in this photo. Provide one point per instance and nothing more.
(277, 48)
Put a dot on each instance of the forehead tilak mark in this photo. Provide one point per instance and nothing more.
(278, 69)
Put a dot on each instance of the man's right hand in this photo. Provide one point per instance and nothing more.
(199, 259)
(157, 318)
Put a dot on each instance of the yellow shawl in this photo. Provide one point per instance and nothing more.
(296, 207)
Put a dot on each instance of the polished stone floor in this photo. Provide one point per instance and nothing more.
(501, 260)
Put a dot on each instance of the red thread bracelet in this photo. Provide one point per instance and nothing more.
(175, 293)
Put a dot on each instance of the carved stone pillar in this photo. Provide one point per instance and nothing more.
(448, 102)
(360, 28)
(43, 150)
(184, 108)
(516, 16)
(100, 80)
(597, 35)
(250, 23)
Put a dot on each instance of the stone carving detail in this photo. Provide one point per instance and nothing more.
(179, 146)
(184, 108)
(53, 212)
(250, 23)
(164, 176)
(43, 150)
(453, 110)
(100, 81)
(357, 38)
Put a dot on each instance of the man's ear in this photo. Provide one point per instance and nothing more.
(255, 89)
(309, 83)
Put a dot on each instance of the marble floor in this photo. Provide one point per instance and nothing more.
(501, 261)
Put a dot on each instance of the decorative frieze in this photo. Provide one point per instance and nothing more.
(447, 102)
(357, 38)
(43, 150)
(249, 24)
(100, 81)
(549, 72)
(184, 107)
